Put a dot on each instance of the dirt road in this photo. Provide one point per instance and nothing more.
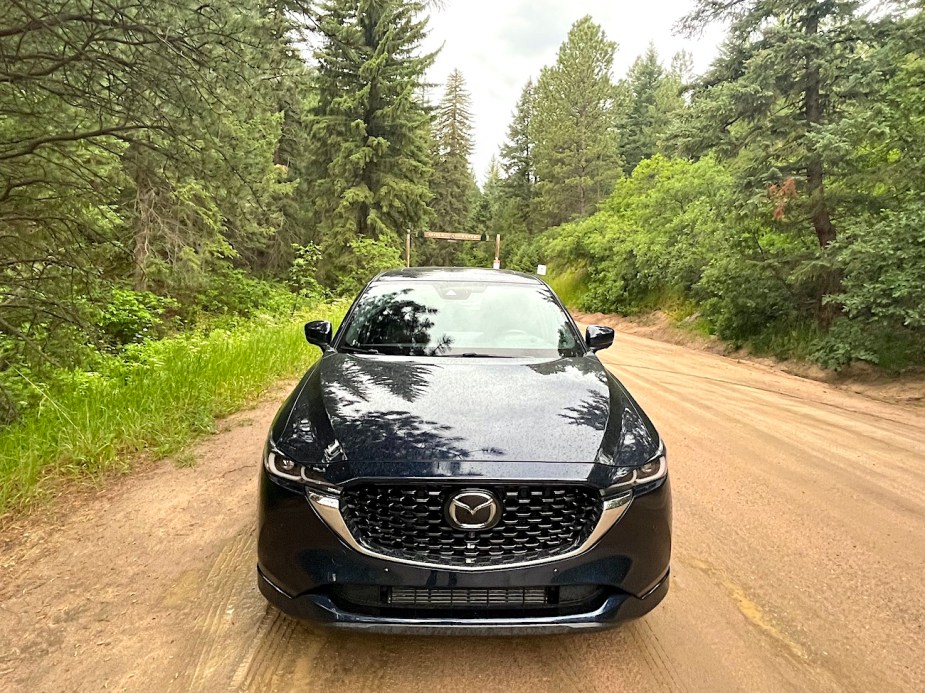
(799, 564)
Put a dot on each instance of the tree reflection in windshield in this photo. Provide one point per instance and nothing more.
(394, 323)
(441, 318)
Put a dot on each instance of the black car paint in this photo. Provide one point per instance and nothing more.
(376, 418)
(382, 409)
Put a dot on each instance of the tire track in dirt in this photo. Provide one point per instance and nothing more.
(268, 650)
(219, 599)
(667, 671)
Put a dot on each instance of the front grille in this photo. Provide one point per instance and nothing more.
(468, 598)
(409, 522)
(463, 601)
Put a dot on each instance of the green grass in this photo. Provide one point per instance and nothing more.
(570, 286)
(155, 399)
(786, 340)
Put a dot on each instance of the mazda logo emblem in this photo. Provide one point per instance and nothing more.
(473, 510)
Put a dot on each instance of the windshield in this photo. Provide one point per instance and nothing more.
(459, 319)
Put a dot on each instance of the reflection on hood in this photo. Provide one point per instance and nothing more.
(393, 409)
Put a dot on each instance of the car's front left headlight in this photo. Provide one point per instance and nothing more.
(291, 474)
(642, 479)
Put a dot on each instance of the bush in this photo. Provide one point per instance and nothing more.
(233, 293)
(852, 340)
(303, 272)
(883, 267)
(741, 298)
(133, 316)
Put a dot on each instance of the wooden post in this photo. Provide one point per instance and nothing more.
(498, 251)
(408, 249)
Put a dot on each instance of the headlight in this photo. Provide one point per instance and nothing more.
(640, 479)
(293, 474)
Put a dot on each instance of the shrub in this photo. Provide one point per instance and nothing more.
(741, 298)
(133, 316)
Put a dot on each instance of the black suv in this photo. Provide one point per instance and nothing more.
(459, 459)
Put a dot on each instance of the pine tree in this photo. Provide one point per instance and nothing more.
(453, 185)
(453, 182)
(782, 70)
(577, 155)
(517, 161)
(788, 71)
(652, 99)
(371, 129)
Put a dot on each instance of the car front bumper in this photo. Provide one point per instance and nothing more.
(302, 561)
(322, 610)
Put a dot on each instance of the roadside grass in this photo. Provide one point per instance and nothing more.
(570, 286)
(155, 398)
(794, 340)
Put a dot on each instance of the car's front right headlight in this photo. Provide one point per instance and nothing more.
(294, 475)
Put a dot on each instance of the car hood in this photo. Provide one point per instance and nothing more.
(393, 409)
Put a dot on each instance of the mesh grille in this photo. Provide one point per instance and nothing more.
(467, 598)
(409, 522)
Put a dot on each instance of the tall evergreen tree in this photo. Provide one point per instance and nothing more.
(517, 161)
(453, 185)
(453, 182)
(577, 154)
(787, 72)
(371, 128)
(652, 100)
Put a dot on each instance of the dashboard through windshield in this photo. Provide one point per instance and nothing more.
(459, 319)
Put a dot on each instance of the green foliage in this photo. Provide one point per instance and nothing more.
(735, 314)
(851, 340)
(883, 266)
(882, 261)
(369, 257)
(372, 155)
(233, 294)
(303, 271)
(659, 229)
(576, 154)
(154, 398)
(133, 316)
(570, 286)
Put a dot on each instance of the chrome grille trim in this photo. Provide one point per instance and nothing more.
(417, 522)
(328, 509)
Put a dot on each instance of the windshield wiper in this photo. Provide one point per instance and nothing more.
(347, 348)
(473, 355)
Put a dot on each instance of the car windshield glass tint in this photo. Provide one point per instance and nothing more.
(459, 319)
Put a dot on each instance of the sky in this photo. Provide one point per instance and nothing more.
(499, 44)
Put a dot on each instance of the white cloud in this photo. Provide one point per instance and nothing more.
(499, 44)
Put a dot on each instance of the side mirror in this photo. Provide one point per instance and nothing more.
(319, 333)
(598, 337)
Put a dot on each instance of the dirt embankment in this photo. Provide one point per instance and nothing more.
(860, 378)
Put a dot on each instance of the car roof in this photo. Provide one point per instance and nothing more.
(458, 274)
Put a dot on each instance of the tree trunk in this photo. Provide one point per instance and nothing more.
(815, 181)
(815, 187)
(145, 214)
